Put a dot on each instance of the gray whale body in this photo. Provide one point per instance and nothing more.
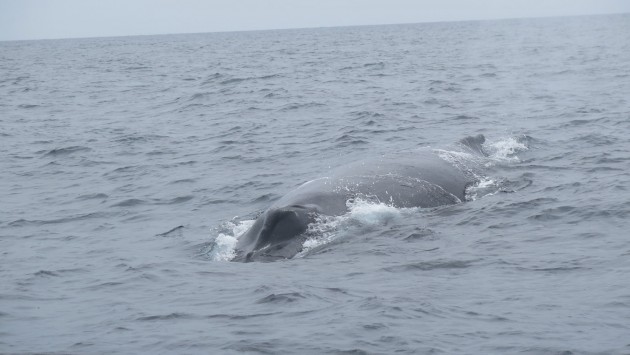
(417, 179)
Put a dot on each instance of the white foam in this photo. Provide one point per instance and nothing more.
(322, 232)
(505, 149)
(501, 150)
(241, 227)
(223, 246)
(361, 214)
(370, 213)
(457, 158)
(223, 249)
(485, 186)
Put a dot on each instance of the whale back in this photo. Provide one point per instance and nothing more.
(414, 179)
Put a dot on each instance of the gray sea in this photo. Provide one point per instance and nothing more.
(129, 166)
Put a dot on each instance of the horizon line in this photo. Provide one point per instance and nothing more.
(314, 27)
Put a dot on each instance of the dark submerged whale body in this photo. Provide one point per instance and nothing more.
(417, 179)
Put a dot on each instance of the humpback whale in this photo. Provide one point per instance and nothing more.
(415, 179)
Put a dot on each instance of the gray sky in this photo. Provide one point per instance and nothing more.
(36, 19)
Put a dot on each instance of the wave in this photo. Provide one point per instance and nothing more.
(281, 298)
(431, 265)
(67, 151)
(27, 106)
(222, 79)
(80, 217)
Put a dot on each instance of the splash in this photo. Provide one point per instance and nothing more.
(485, 186)
(321, 232)
(371, 213)
(223, 249)
(501, 151)
(362, 214)
(223, 246)
(506, 148)
(464, 161)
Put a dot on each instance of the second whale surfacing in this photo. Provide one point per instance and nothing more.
(417, 179)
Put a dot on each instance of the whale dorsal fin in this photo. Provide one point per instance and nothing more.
(474, 143)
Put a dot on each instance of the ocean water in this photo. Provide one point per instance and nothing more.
(129, 166)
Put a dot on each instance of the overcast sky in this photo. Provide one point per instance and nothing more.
(36, 19)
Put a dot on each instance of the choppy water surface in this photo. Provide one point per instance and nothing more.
(129, 165)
